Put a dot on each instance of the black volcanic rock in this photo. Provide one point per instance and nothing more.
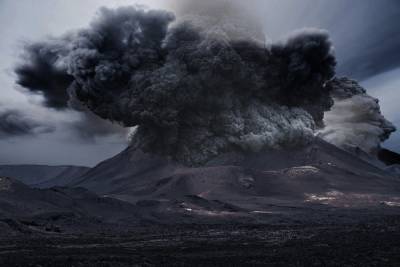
(389, 157)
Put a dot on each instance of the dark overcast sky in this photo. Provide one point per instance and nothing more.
(366, 34)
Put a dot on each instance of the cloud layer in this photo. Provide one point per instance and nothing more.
(14, 122)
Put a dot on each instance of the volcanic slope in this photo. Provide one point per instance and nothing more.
(26, 209)
(319, 174)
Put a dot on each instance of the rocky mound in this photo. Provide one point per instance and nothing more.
(29, 209)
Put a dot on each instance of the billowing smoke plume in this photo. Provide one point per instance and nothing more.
(15, 123)
(193, 88)
(355, 120)
(43, 72)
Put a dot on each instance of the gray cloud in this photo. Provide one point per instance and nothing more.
(365, 32)
(31, 134)
(88, 127)
(371, 44)
(16, 123)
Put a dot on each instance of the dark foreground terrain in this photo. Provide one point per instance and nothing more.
(376, 243)
(312, 206)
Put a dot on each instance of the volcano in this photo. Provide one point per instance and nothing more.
(319, 175)
(306, 182)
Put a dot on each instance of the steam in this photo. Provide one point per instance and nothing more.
(194, 88)
(355, 120)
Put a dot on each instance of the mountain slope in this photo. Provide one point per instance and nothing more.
(305, 184)
(319, 173)
(30, 209)
(42, 176)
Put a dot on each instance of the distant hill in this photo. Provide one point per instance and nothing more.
(43, 176)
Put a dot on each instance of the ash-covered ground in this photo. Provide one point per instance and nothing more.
(373, 243)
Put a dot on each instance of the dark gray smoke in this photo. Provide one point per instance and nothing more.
(193, 89)
(15, 123)
(41, 73)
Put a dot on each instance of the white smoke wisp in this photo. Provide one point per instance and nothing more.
(355, 120)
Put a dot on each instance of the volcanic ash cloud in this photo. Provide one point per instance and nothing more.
(194, 89)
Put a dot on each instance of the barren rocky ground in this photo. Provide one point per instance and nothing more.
(376, 243)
